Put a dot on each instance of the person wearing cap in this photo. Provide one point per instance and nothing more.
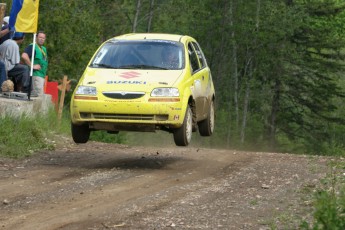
(40, 64)
(5, 30)
(10, 55)
(5, 20)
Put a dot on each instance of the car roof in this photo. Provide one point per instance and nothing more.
(153, 36)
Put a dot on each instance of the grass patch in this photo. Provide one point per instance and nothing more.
(22, 136)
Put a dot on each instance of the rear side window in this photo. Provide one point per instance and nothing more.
(194, 63)
(200, 55)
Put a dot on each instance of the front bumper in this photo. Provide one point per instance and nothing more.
(102, 113)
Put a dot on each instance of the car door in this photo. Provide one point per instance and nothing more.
(201, 76)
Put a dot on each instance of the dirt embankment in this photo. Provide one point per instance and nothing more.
(109, 186)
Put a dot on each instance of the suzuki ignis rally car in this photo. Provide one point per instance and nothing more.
(145, 82)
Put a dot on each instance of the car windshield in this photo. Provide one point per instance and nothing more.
(147, 54)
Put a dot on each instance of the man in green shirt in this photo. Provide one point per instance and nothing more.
(40, 65)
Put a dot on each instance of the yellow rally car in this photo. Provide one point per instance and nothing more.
(145, 82)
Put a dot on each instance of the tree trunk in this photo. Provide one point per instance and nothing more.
(233, 65)
(235, 77)
(135, 21)
(152, 2)
(250, 66)
(274, 111)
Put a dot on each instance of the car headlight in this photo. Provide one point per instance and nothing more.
(165, 92)
(86, 90)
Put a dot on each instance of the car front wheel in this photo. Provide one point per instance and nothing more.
(80, 133)
(183, 135)
(206, 127)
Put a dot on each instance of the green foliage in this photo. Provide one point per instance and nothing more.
(22, 136)
(72, 35)
(25, 135)
(330, 211)
(330, 202)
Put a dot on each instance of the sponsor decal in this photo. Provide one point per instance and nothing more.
(127, 82)
(130, 74)
(173, 108)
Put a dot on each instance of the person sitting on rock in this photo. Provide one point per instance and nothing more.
(10, 55)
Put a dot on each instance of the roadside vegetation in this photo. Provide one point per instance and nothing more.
(24, 135)
(329, 200)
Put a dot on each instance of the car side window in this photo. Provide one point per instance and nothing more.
(194, 63)
(200, 54)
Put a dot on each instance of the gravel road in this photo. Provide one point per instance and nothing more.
(111, 186)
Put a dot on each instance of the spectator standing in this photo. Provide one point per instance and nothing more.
(10, 55)
(40, 65)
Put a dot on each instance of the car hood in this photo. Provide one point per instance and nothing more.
(130, 80)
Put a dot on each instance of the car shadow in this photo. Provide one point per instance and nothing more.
(125, 161)
(144, 162)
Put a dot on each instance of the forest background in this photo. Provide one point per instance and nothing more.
(278, 66)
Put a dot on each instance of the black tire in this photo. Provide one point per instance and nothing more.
(183, 135)
(206, 127)
(80, 133)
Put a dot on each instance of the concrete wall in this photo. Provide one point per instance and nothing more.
(18, 107)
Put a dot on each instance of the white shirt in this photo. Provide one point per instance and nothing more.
(9, 53)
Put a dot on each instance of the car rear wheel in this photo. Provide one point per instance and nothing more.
(80, 133)
(206, 127)
(183, 135)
